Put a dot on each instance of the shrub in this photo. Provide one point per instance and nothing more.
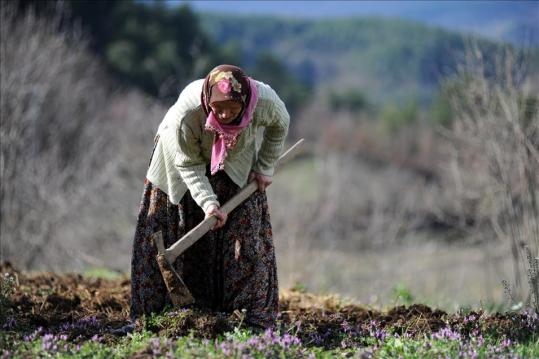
(55, 148)
(496, 147)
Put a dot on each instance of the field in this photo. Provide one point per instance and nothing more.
(405, 229)
(71, 315)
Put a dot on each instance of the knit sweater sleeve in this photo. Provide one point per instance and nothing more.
(192, 166)
(276, 121)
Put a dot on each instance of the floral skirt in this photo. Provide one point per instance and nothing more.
(229, 268)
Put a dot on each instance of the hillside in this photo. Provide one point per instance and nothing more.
(513, 21)
(387, 59)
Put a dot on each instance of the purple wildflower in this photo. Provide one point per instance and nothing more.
(48, 343)
(480, 340)
(446, 333)
(226, 348)
(327, 333)
(380, 334)
(96, 338)
(267, 344)
(531, 320)
(240, 347)
(506, 343)
(155, 344)
(469, 318)
(269, 334)
(88, 322)
(169, 343)
(257, 343)
(81, 324)
(346, 327)
(316, 339)
(288, 340)
(10, 323)
(177, 312)
(33, 336)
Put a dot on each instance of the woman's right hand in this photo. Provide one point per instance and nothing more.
(221, 216)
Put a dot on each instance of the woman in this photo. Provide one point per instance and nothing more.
(205, 151)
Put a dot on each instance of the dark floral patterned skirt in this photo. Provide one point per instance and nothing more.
(229, 268)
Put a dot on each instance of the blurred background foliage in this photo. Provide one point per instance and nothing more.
(399, 167)
(160, 48)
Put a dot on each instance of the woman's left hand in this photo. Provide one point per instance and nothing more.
(263, 181)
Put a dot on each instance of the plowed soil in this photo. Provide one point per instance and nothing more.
(82, 307)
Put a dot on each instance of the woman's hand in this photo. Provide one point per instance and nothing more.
(263, 181)
(221, 216)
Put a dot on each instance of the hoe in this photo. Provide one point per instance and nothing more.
(178, 291)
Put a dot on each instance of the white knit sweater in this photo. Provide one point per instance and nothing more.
(183, 150)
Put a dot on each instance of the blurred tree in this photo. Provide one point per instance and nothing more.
(157, 48)
(292, 90)
(101, 18)
(153, 46)
(351, 100)
(230, 53)
(440, 110)
(395, 117)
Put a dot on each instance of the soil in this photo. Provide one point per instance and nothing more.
(82, 307)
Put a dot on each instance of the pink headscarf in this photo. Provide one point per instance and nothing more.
(227, 82)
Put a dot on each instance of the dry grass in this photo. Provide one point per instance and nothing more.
(441, 275)
(495, 164)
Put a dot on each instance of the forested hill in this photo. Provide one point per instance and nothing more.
(385, 58)
(160, 48)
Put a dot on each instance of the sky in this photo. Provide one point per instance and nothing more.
(338, 8)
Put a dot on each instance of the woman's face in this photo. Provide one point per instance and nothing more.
(226, 111)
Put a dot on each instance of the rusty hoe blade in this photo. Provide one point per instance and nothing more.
(177, 290)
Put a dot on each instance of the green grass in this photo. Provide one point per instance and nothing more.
(298, 177)
(103, 273)
(452, 348)
(239, 343)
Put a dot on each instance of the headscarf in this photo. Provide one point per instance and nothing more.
(224, 83)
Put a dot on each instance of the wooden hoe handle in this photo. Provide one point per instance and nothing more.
(203, 227)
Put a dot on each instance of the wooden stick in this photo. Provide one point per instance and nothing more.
(203, 227)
